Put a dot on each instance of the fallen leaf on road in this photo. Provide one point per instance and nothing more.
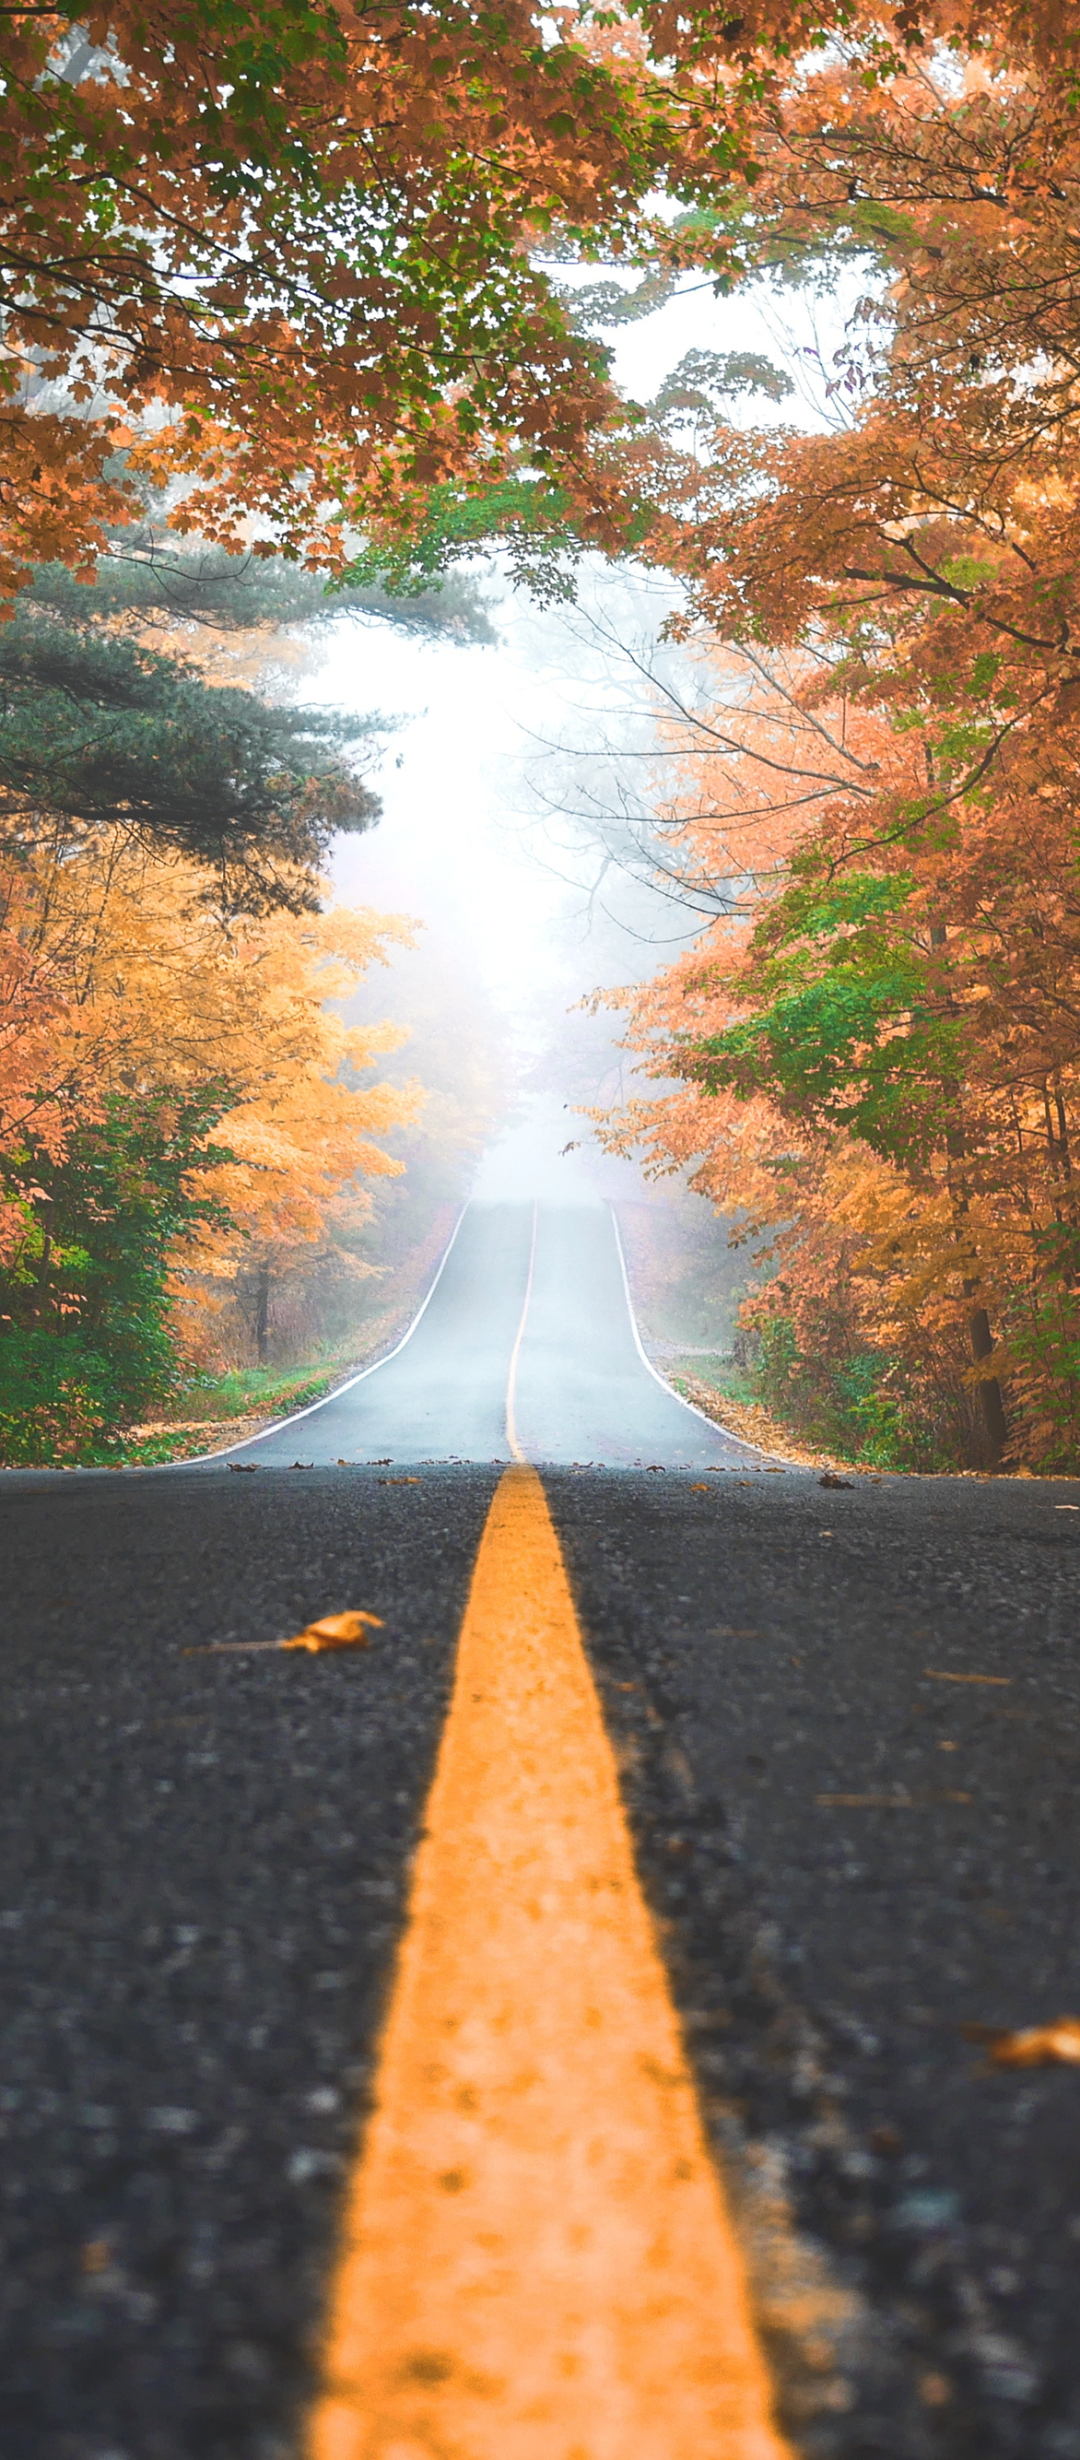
(935, 2390)
(699, 1487)
(332, 1631)
(886, 1802)
(886, 2138)
(999, 1681)
(335, 1631)
(397, 1481)
(830, 1479)
(1040, 2045)
(864, 1802)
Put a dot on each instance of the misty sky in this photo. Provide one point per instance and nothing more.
(460, 845)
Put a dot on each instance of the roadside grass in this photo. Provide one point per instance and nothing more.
(720, 1371)
(718, 1386)
(211, 1411)
(230, 1407)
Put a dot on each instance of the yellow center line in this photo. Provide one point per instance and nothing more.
(537, 2262)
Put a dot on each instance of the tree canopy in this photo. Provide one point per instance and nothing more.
(292, 248)
(288, 246)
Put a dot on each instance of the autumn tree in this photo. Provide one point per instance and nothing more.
(292, 249)
(899, 993)
(188, 1106)
(87, 1339)
(874, 1053)
(295, 250)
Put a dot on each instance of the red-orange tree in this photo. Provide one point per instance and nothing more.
(304, 234)
(910, 978)
(300, 231)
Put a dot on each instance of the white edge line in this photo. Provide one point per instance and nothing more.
(192, 1459)
(662, 1379)
(512, 1444)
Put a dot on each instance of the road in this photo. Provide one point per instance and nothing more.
(530, 1306)
(851, 1855)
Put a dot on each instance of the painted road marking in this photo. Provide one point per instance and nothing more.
(537, 2262)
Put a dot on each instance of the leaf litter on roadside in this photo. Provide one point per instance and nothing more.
(1037, 2045)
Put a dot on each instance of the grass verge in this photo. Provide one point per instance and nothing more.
(717, 1388)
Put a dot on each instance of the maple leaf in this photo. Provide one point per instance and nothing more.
(1040, 2045)
(335, 1631)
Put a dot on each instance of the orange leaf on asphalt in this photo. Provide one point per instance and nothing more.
(1040, 2045)
(998, 1682)
(335, 1631)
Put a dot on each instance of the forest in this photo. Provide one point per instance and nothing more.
(287, 330)
(870, 1050)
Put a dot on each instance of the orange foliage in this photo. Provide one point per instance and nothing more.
(290, 249)
(959, 1196)
(125, 980)
(878, 1047)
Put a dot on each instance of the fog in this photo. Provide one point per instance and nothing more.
(469, 843)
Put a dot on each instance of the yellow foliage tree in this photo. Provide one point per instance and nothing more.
(153, 990)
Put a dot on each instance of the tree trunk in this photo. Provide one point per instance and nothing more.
(262, 1313)
(991, 1403)
(44, 1268)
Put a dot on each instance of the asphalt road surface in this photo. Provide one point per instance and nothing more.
(852, 1856)
(538, 1291)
